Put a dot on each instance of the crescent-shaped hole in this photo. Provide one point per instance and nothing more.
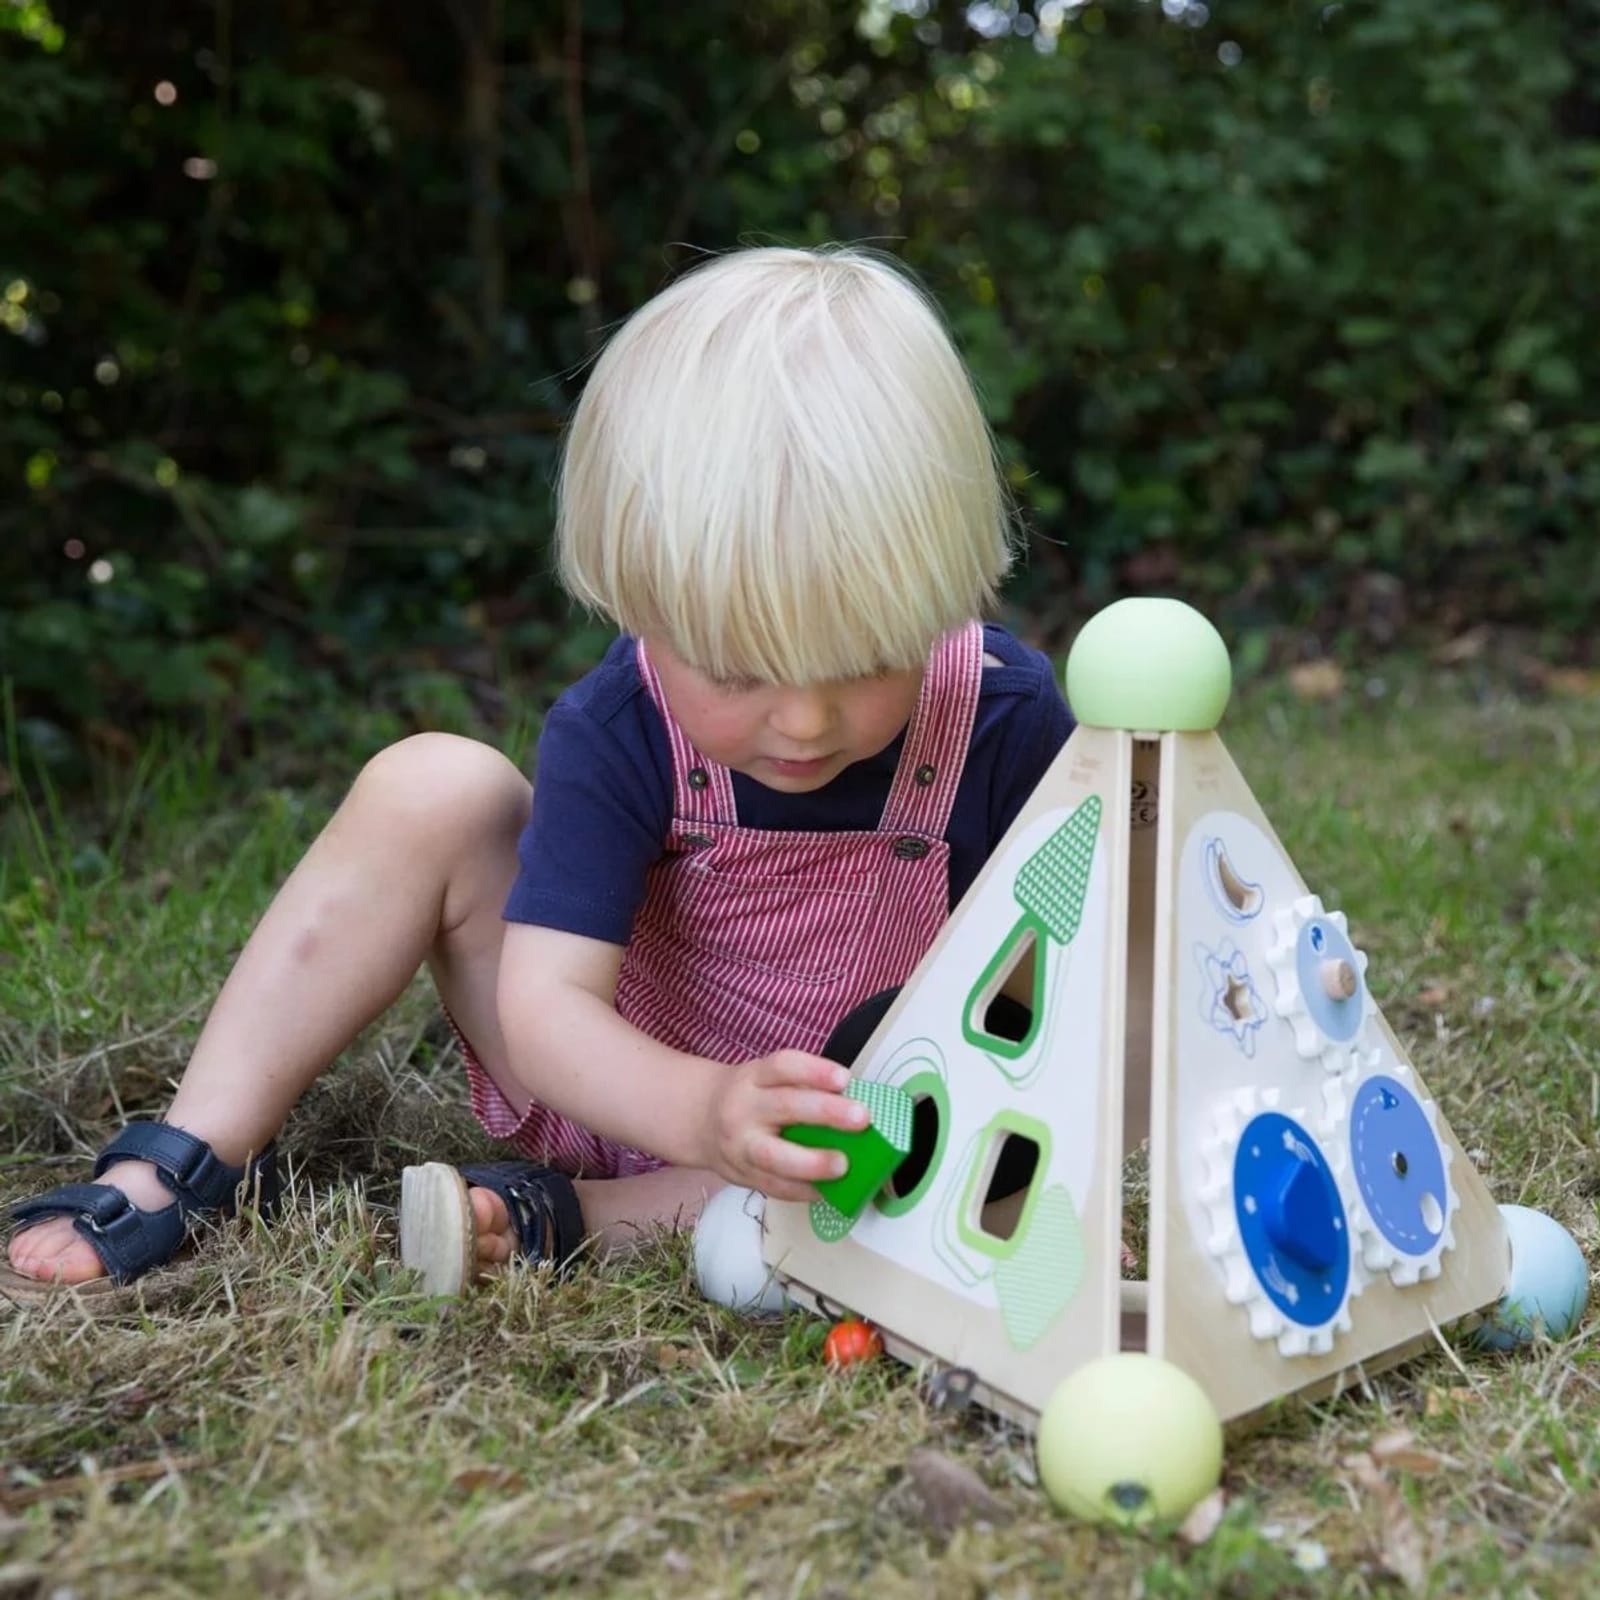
(1245, 898)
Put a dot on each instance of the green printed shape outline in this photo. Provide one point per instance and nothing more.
(944, 1246)
(980, 1039)
(1008, 1121)
(1085, 817)
(931, 1086)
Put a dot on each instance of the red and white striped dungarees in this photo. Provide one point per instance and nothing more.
(752, 940)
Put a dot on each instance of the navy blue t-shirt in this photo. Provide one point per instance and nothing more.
(602, 793)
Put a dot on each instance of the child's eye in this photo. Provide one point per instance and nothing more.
(736, 685)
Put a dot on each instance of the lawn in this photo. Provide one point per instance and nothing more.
(292, 1418)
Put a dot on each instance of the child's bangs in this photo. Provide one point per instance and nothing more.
(800, 617)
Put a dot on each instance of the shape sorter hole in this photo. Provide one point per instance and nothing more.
(1016, 1161)
(1432, 1213)
(1003, 1006)
(930, 1131)
(1245, 898)
(1009, 1019)
(925, 1131)
(1237, 1000)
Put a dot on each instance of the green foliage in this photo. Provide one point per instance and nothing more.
(1285, 298)
(1264, 300)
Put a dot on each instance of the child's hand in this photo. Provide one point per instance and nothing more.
(757, 1101)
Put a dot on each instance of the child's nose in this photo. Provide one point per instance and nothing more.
(802, 715)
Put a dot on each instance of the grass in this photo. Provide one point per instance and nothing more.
(290, 1417)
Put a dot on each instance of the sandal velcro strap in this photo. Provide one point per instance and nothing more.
(128, 1241)
(191, 1169)
(543, 1205)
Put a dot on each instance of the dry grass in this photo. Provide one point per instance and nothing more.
(287, 1416)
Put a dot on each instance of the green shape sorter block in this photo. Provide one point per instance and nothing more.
(873, 1152)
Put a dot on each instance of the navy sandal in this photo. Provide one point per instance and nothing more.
(439, 1238)
(129, 1241)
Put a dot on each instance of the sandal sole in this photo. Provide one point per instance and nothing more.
(101, 1294)
(438, 1237)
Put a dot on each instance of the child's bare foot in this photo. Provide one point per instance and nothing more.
(54, 1250)
(459, 1226)
(497, 1239)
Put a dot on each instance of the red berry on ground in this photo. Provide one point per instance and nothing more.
(849, 1342)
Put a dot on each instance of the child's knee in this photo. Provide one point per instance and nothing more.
(441, 787)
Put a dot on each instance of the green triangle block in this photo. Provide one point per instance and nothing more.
(873, 1152)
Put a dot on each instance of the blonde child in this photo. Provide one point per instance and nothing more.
(753, 815)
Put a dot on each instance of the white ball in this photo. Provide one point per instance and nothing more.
(727, 1254)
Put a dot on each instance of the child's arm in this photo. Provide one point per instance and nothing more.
(571, 1051)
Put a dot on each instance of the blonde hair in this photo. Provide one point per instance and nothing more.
(779, 466)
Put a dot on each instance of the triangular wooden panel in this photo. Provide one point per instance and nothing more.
(1311, 1213)
(1264, 1031)
(1013, 1292)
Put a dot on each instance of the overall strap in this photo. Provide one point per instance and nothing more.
(935, 749)
(702, 791)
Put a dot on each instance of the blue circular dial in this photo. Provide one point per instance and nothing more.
(1291, 1219)
(1398, 1165)
(1320, 942)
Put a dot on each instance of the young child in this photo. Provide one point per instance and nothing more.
(755, 813)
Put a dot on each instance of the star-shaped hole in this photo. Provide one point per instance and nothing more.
(1237, 1000)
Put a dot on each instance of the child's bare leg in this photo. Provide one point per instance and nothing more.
(618, 1213)
(414, 866)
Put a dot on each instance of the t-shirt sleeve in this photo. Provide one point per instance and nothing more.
(599, 818)
(1034, 737)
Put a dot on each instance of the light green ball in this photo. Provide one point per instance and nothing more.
(1150, 666)
(1129, 1439)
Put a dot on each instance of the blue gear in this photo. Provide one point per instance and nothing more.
(1401, 1172)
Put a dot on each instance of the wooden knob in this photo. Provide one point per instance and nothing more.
(1339, 980)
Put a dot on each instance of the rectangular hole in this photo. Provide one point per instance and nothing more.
(1016, 1162)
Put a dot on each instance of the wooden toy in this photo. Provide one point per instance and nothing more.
(874, 1152)
(1140, 959)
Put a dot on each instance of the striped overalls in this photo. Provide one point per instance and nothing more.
(754, 940)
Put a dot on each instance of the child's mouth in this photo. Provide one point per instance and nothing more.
(799, 769)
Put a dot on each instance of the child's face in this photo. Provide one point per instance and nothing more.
(791, 739)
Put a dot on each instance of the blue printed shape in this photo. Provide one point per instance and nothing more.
(1229, 999)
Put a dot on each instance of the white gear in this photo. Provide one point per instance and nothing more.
(1283, 958)
(1377, 1254)
(1241, 1285)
